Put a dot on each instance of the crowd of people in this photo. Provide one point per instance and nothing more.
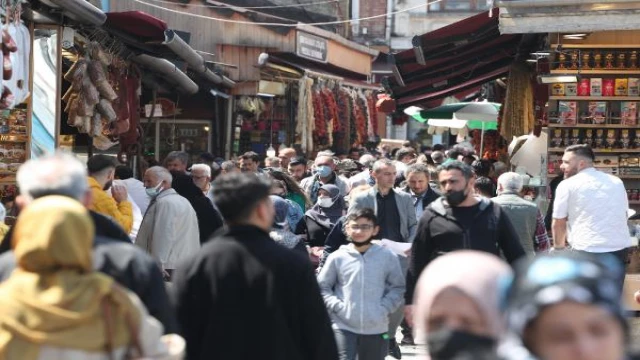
(325, 258)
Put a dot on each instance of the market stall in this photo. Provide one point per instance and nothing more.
(306, 105)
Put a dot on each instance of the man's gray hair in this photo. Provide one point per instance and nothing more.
(58, 174)
(511, 181)
(324, 154)
(367, 160)
(417, 168)
(228, 165)
(382, 163)
(177, 155)
(204, 167)
(161, 173)
(273, 161)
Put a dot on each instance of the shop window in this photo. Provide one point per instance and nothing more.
(459, 6)
(191, 136)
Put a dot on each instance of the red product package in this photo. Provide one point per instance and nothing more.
(584, 87)
(608, 87)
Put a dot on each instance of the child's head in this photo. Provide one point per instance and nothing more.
(361, 226)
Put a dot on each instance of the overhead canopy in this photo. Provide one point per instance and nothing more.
(451, 60)
(304, 65)
(570, 16)
(151, 36)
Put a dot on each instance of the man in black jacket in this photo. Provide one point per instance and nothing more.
(459, 220)
(63, 174)
(242, 282)
(417, 176)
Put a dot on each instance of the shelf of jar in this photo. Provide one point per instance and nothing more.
(597, 46)
(594, 126)
(611, 151)
(600, 98)
(596, 71)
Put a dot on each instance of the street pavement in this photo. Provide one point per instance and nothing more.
(408, 352)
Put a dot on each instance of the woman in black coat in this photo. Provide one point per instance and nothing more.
(209, 219)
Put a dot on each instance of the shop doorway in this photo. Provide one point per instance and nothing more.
(190, 136)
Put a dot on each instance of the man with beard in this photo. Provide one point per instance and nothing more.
(297, 168)
(592, 204)
(362, 284)
(101, 170)
(459, 220)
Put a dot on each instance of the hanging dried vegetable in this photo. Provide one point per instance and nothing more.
(373, 115)
(518, 116)
(320, 133)
(89, 101)
(360, 117)
(344, 114)
(305, 117)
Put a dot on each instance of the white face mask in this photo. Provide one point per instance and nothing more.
(154, 191)
(325, 202)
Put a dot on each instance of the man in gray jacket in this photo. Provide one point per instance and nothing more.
(361, 284)
(524, 215)
(169, 230)
(397, 219)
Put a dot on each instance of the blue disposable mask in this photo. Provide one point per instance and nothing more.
(154, 191)
(323, 171)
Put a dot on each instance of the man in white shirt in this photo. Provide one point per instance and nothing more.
(590, 208)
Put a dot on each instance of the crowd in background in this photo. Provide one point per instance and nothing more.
(324, 258)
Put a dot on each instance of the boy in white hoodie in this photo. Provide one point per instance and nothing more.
(361, 284)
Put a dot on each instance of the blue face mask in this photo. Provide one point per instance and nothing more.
(154, 191)
(323, 171)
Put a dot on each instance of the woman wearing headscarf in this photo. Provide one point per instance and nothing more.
(54, 306)
(295, 212)
(280, 232)
(320, 219)
(209, 219)
(292, 191)
(457, 310)
(568, 306)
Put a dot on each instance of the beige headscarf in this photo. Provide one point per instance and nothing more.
(476, 274)
(54, 297)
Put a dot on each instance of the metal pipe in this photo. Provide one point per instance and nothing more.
(174, 42)
(555, 3)
(82, 11)
(170, 71)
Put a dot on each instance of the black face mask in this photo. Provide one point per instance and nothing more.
(361, 244)
(455, 198)
(450, 344)
(107, 186)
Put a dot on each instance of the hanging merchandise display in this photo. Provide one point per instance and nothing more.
(317, 113)
(305, 125)
(91, 100)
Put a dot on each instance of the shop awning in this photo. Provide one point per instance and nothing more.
(568, 16)
(303, 65)
(151, 36)
(451, 61)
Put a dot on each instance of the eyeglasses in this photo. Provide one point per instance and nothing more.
(361, 227)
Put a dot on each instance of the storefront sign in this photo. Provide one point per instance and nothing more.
(311, 47)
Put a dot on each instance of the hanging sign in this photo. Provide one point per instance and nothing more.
(311, 47)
